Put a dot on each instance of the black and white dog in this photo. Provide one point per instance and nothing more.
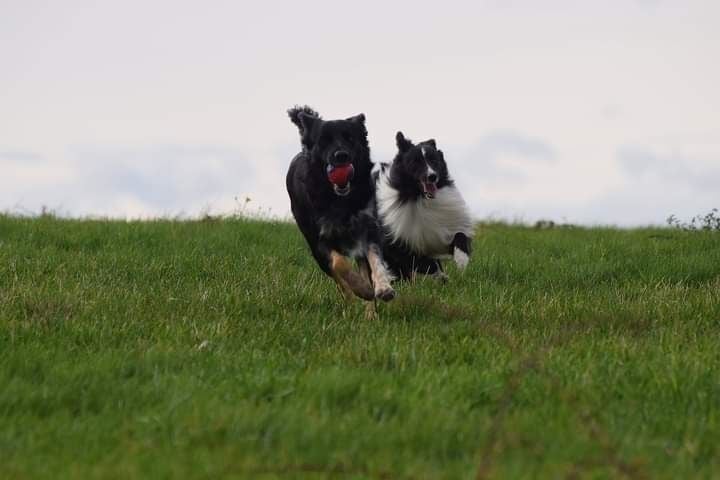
(332, 197)
(422, 212)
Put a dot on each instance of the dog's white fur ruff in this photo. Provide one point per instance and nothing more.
(425, 225)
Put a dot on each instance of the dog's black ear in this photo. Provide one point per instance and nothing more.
(308, 122)
(431, 142)
(295, 112)
(403, 143)
(357, 118)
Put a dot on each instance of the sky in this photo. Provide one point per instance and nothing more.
(593, 113)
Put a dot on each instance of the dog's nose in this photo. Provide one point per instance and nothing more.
(341, 156)
(432, 178)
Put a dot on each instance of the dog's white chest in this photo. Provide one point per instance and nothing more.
(426, 225)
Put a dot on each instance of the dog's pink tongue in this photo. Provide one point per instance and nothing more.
(340, 175)
(430, 188)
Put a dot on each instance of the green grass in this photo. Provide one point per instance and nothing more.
(217, 349)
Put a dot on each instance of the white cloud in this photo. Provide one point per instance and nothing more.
(141, 181)
(503, 175)
(672, 168)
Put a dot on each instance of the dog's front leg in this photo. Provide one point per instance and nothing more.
(348, 280)
(371, 312)
(460, 246)
(381, 278)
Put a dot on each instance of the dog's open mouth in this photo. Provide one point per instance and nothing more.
(342, 191)
(429, 189)
(340, 176)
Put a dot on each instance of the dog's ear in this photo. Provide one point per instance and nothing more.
(431, 142)
(295, 112)
(357, 118)
(360, 121)
(308, 122)
(403, 143)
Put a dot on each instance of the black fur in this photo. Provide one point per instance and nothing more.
(409, 167)
(330, 221)
(405, 263)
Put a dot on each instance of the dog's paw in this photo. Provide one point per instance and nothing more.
(371, 312)
(461, 258)
(385, 294)
(441, 277)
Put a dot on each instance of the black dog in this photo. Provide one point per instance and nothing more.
(332, 196)
(424, 216)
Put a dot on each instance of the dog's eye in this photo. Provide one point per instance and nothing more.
(347, 137)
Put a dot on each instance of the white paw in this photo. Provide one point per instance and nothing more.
(461, 258)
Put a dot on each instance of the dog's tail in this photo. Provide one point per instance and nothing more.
(294, 114)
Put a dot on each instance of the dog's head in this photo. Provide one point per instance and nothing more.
(418, 169)
(337, 148)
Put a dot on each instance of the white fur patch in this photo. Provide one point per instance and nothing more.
(461, 258)
(381, 277)
(430, 170)
(425, 225)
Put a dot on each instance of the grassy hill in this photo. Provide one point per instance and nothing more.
(217, 349)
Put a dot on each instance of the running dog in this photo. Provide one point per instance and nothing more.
(422, 212)
(332, 197)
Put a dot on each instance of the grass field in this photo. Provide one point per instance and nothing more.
(216, 349)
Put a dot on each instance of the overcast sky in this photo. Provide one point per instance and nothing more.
(580, 111)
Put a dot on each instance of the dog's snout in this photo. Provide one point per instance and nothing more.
(341, 156)
(432, 177)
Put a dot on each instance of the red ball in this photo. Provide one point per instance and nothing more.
(340, 174)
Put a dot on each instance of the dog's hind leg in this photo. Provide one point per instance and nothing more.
(438, 273)
(428, 266)
(348, 280)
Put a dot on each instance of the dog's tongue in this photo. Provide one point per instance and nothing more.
(340, 175)
(430, 188)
